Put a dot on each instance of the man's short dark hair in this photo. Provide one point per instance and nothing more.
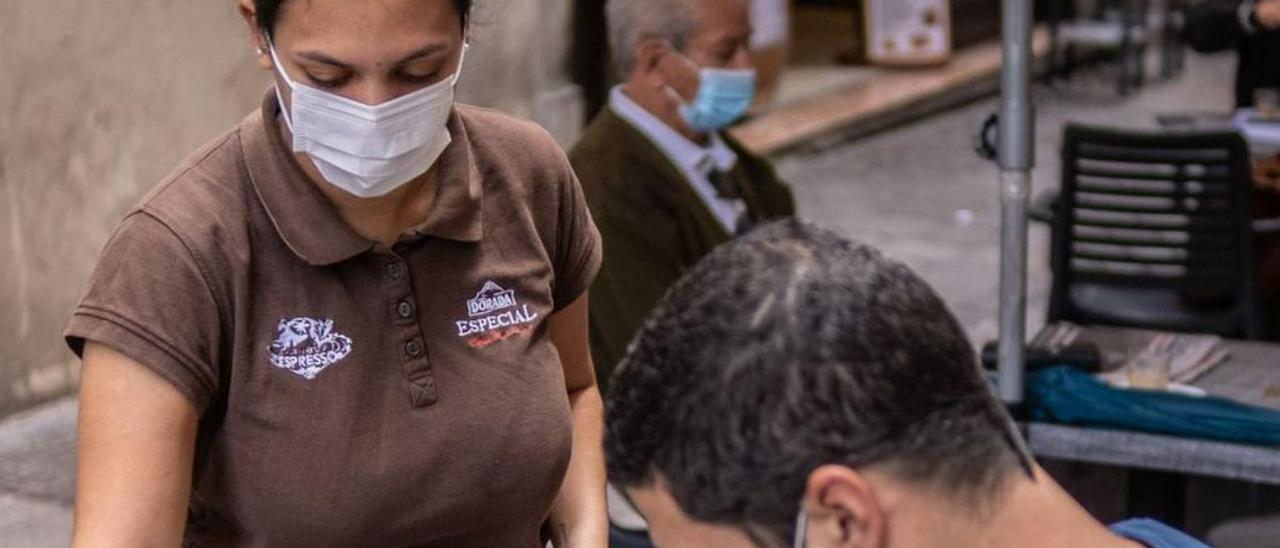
(789, 349)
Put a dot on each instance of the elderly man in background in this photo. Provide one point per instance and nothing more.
(664, 182)
(799, 389)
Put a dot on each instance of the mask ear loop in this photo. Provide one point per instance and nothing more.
(802, 529)
(675, 96)
(671, 91)
(462, 61)
(279, 69)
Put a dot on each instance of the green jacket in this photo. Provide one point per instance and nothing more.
(653, 225)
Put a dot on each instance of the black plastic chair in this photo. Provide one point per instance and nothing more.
(1155, 230)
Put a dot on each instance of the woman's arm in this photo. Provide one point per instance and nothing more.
(579, 518)
(136, 445)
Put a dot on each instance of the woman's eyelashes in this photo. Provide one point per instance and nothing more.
(328, 82)
(337, 81)
(411, 78)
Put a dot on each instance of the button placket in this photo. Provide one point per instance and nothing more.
(413, 348)
(403, 310)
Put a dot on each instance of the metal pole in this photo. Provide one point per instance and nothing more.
(1016, 158)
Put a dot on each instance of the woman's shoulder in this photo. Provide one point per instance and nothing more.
(202, 199)
(519, 160)
(498, 124)
(496, 136)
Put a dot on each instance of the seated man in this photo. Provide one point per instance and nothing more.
(663, 181)
(796, 385)
(1250, 27)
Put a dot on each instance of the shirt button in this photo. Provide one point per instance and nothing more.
(404, 310)
(413, 349)
(395, 271)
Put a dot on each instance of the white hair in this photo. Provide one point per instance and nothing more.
(632, 21)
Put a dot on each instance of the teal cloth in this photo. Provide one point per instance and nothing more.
(1154, 534)
(1069, 396)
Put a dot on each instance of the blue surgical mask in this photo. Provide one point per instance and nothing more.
(724, 95)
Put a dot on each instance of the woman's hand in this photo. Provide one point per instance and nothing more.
(136, 445)
(579, 518)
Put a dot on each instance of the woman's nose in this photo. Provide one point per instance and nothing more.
(375, 91)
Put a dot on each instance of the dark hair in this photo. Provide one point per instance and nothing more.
(267, 10)
(789, 349)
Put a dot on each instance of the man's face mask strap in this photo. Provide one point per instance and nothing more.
(802, 529)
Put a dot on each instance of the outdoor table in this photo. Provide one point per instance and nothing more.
(1250, 375)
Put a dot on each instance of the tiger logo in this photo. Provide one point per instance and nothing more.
(308, 346)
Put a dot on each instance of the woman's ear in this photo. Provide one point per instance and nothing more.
(843, 510)
(250, 16)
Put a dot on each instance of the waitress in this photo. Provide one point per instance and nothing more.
(356, 319)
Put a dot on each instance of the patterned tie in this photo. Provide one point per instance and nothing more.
(727, 189)
(723, 183)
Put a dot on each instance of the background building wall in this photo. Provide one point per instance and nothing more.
(98, 100)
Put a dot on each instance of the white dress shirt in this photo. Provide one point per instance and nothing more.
(693, 160)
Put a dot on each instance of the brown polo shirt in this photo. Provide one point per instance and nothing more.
(353, 394)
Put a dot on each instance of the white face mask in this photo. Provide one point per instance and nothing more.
(369, 151)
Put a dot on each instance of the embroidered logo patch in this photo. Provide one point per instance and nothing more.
(307, 346)
(496, 315)
(491, 298)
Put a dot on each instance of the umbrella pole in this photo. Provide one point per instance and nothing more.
(1016, 158)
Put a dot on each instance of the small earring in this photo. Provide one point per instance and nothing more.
(260, 51)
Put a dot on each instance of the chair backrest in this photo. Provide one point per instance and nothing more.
(1155, 210)
(1130, 11)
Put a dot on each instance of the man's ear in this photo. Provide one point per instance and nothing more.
(843, 510)
(250, 16)
(648, 62)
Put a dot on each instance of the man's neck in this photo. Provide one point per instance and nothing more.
(665, 108)
(1029, 513)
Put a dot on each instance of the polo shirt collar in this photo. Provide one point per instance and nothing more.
(686, 154)
(310, 225)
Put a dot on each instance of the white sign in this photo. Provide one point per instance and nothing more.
(908, 32)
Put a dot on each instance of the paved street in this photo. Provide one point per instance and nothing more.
(37, 476)
(918, 192)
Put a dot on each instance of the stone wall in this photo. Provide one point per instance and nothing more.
(100, 99)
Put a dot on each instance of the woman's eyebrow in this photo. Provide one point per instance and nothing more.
(422, 52)
(321, 57)
(324, 58)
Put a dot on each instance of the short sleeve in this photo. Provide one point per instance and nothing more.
(578, 254)
(149, 299)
